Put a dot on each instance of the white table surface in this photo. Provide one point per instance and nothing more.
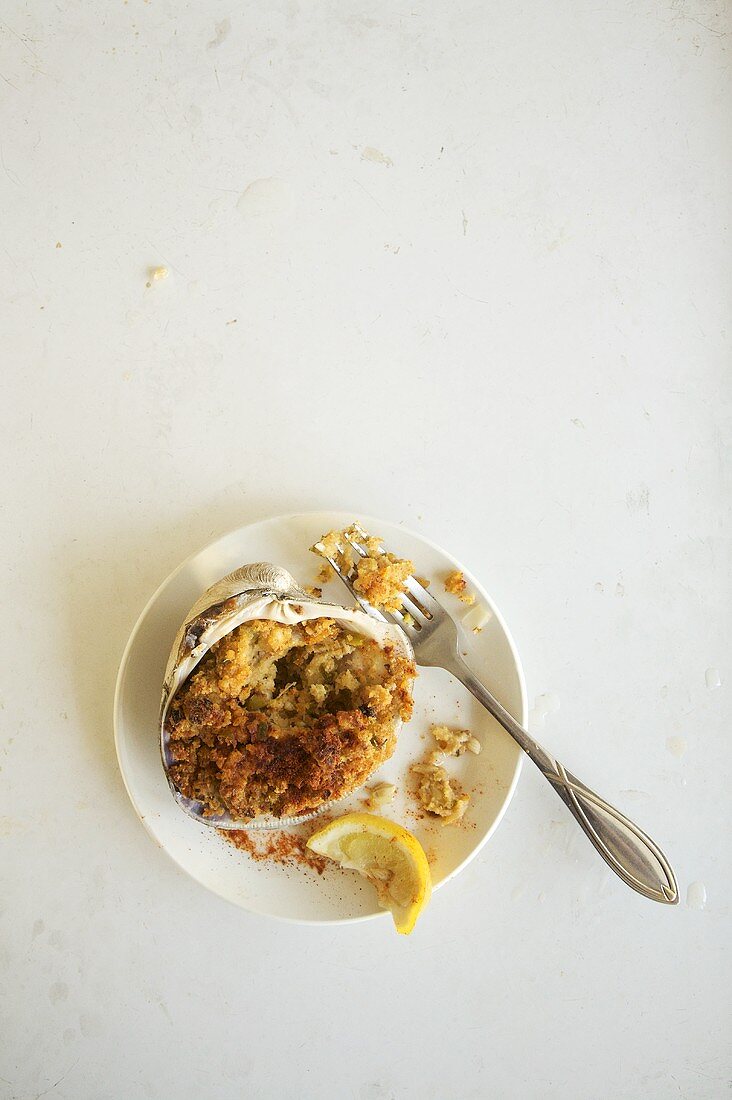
(462, 265)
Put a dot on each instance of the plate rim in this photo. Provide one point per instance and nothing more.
(372, 523)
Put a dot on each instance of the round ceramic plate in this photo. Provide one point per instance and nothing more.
(297, 892)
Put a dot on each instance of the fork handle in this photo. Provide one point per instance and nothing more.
(630, 853)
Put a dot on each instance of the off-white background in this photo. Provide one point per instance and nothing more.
(463, 265)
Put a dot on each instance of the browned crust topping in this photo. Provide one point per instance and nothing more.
(278, 719)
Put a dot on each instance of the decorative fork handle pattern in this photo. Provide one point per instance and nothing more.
(624, 846)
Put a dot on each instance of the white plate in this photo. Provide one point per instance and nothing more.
(296, 893)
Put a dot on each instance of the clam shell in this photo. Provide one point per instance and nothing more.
(257, 591)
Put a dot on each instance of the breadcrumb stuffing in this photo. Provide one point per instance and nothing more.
(319, 692)
(379, 697)
(456, 585)
(347, 682)
(278, 719)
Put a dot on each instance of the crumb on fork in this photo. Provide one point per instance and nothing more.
(379, 578)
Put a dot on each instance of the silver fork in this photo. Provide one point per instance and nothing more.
(437, 640)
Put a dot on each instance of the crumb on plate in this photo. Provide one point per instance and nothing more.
(380, 795)
(156, 274)
(454, 742)
(438, 794)
(456, 585)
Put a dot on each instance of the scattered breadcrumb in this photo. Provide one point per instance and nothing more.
(313, 590)
(456, 585)
(380, 795)
(438, 794)
(455, 742)
(155, 274)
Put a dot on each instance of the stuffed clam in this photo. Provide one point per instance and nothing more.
(275, 703)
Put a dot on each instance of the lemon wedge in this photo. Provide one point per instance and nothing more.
(387, 855)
